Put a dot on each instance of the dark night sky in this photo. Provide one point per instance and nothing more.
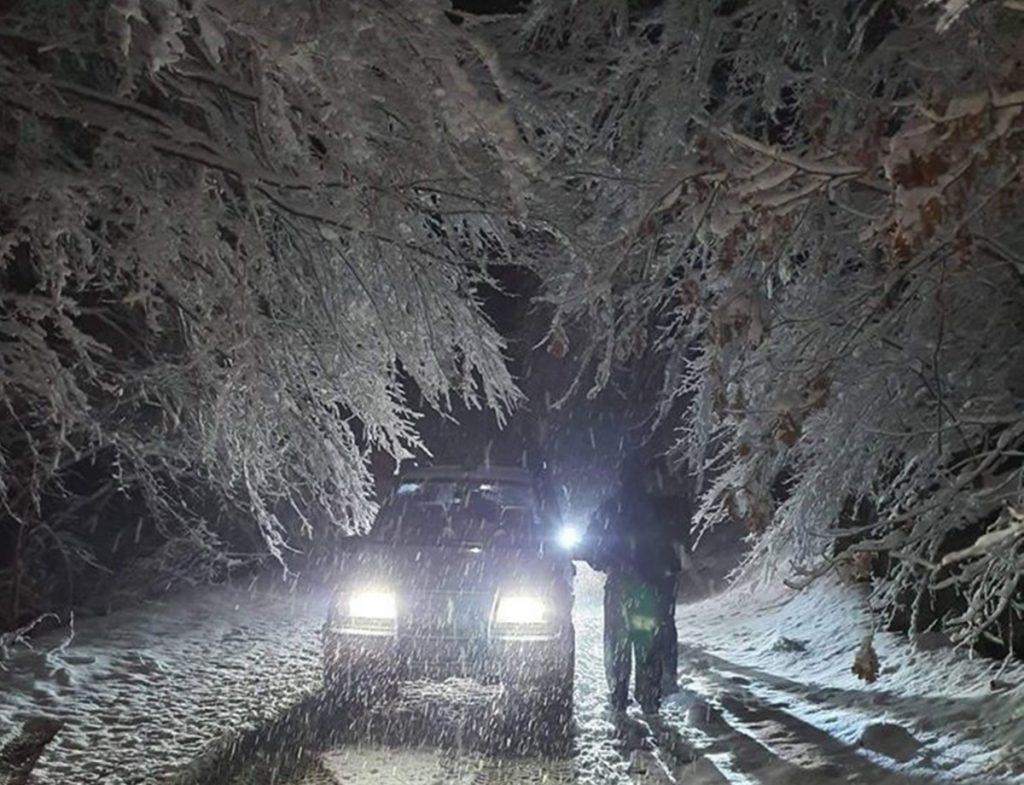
(582, 443)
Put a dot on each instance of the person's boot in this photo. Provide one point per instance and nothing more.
(669, 686)
(618, 699)
(651, 707)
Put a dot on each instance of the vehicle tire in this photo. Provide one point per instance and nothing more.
(558, 709)
(561, 701)
(545, 709)
(356, 687)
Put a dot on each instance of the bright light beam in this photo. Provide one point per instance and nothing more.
(372, 605)
(569, 537)
(518, 609)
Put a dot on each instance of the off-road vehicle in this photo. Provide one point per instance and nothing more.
(461, 575)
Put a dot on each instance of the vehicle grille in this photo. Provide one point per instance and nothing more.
(446, 615)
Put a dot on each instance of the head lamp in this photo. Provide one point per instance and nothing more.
(372, 605)
(520, 609)
(569, 537)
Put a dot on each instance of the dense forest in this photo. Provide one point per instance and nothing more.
(247, 247)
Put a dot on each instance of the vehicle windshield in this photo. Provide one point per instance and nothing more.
(458, 512)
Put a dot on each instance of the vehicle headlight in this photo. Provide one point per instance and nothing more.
(520, 609)
(372, 605)
(366, 612)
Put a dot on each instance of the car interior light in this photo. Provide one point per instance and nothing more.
(372, 605)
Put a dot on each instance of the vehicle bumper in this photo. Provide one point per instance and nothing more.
(399, 657)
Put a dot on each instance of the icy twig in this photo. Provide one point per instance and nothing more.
(20, 636)
(990, 541)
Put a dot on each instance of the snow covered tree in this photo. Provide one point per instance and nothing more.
(811, 213)
(237, 237)
(232, 229)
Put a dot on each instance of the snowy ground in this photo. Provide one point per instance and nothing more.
(796, 649)
(142, 691)
(768, 699)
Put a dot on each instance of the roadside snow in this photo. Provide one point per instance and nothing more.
(797, 648)
(144, 690)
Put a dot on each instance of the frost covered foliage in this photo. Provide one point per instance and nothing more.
(812, 213)
(237, 236)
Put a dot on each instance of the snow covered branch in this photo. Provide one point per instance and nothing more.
(236, 240)
(817, 230)
(236, 235)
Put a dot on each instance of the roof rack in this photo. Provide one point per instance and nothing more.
(480, 473)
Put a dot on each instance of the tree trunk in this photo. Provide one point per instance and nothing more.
(19, 756)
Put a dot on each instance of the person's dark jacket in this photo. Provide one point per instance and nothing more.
(630, 534)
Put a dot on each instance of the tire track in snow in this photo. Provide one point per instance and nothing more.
(716, 732)
(766, 742)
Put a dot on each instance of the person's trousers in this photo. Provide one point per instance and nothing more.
(637, 617)
(670, 668)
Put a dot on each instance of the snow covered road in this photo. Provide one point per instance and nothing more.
(143, 693)
(144, 690)
(728, 725)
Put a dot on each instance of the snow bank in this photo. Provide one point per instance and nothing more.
(798, 647)
(143, 691)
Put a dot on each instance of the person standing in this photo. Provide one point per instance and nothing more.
(634, 546)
